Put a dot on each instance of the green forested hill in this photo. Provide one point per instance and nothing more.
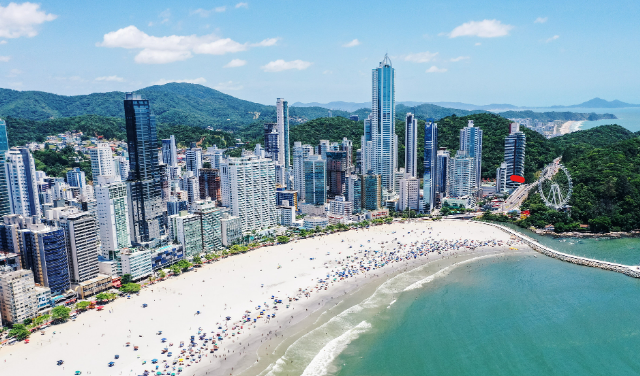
(576, 144)
(21, 131)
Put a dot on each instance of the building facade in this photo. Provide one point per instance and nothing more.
(249, 191)
(371, 192)
(411, 145)
(471, 143)
(112, 215)
(17, 296)
(102, 161)
(21, 182)
(514, 152)
(430, 166)
(315, 180)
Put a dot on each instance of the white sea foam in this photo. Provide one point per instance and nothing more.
(320, 364)
(443, 272)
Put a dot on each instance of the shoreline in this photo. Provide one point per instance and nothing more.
(571, 126)
(251, 280)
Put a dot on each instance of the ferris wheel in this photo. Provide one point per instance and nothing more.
(555, 186)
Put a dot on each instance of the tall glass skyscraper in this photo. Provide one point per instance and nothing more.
(169, 152)
(514, 151)
(411, 146)
(144, 185)
(383, 123)
(5, 204)
(430, 163)
(282, 117)
(471, 143)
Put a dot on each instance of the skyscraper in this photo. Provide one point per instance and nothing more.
(471, 143)
(249, 191)
(81, 233)
(112, 215)
(383, 123)
(442, 170)
(210, 217)
(193, 157)
(430, 166)
(337, 169)
(501, 178)
(411, 145)
(5, 204)
(144, 185)
(169, 151)
(463, 175)
(514, 152)
(102, 161)
(371, 192)
(44, 251)
(210, 184)
(21, 181)
(282, 118)
(315, 180)
(353, 192)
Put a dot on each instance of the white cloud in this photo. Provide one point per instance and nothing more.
(19, 20)
(110, 78)
(4, 59)
(281, 65)
(199, 80)
(482, 29)
(541, 20)
(478, 44)
(327, 72)
(229, 85)
(207, 12)
(353, 43)
(162, 50)
(435, 69)
(242, 5)
(3, 42)
(14, 73)
(420, 57)
(236, 63)
(459, 58)
(553, 38)
(165, 16)
(266, 42)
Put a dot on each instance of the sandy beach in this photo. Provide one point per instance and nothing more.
(570, 126)
(296, 273)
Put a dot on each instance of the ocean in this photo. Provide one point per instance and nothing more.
(518, 314)
(627, 117)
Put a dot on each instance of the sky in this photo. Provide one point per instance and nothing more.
(527, 53)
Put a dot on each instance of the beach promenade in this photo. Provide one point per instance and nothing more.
(307, 275)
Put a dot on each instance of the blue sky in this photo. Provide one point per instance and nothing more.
(534, 53)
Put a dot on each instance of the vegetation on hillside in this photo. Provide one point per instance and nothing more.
(577, 144)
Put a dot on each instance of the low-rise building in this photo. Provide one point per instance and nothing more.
(136, 262)
(43, 298)
(231, 229)
(311, 222)
(166, 256)
(92, 286)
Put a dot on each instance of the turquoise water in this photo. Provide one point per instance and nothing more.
(627, 117)
(624, 251)
(517, 315)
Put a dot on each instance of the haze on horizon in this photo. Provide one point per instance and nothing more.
(529, 53)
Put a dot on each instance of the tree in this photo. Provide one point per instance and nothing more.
(19, 332)
(83, 305)
(184, 265)
(126, 278)
(209, 256)
(60, 313)
(283, 239)
(130, 288)
(600, 224)
(41, 320)
(197, 260)
(161, 274)
(175, 269)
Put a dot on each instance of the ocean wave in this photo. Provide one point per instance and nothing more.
(320, 364)
(443, 272)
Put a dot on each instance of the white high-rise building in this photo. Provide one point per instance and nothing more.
(215, 156)
(409, 195)
(121, 167)
(383, 123)
(21, 180)
(112, 214)
(102, 160)
(501, 178)
(17, 296)
(81, 232)
(282, 119)
(249, 191)
(463, 175)
(411, 145)
(192, 186)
